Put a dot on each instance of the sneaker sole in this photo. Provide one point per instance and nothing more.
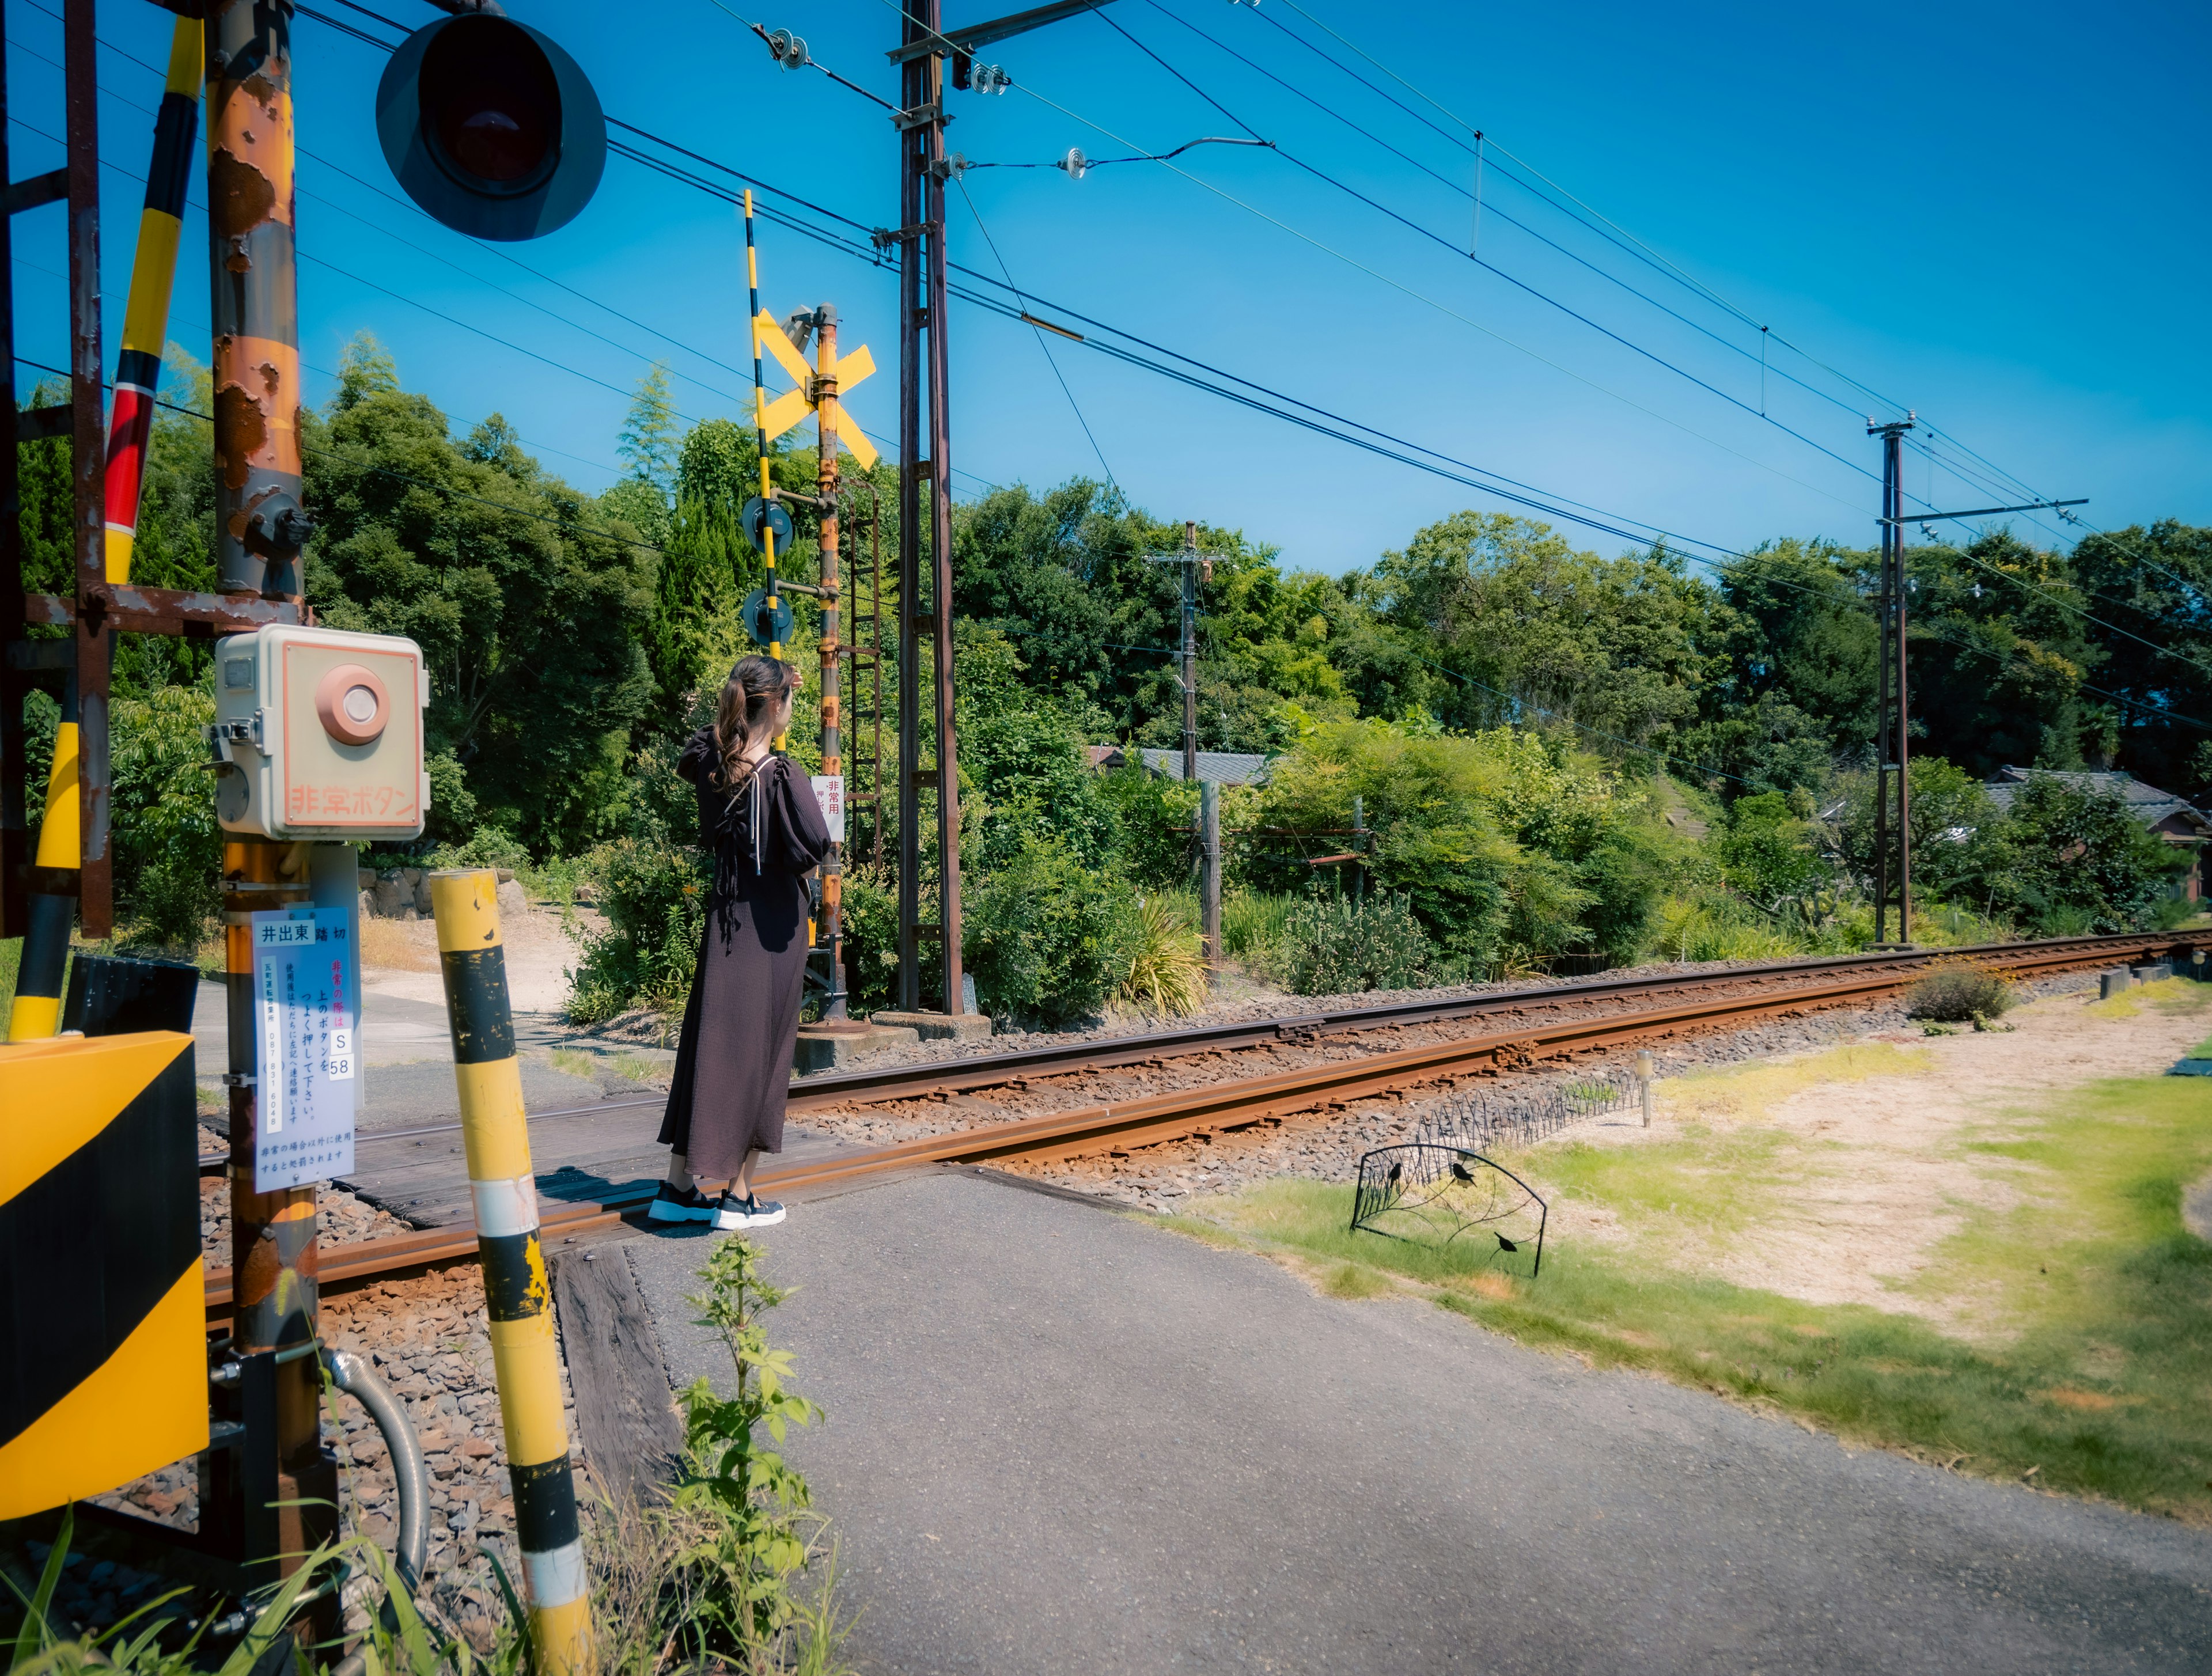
(730, 1224)
(663, 1212)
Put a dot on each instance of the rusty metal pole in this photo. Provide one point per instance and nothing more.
(837, 1008)
(1894, 463)
(260, 525)
(917, 21)
(88, 474)
(940, 547)
(260, 528)
(272, 1235)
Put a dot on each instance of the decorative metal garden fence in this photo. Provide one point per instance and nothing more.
(1440, 1184)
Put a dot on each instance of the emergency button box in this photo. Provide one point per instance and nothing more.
(319, 734)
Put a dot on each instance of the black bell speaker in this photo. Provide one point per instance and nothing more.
(490, 127)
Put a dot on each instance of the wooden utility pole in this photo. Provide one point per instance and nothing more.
(1891, 748)
(1189, 651)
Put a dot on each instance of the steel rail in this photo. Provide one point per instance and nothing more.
(1249, 1102)
(1070, 1058)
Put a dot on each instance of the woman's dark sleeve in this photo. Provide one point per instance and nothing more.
(699, 758)
(801, 836)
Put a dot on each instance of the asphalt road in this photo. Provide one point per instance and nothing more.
(1062, 1440)
(407, 1058)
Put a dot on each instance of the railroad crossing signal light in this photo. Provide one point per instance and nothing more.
(490, 127)
(788, 410)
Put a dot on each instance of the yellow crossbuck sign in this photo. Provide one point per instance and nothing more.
(779, 416)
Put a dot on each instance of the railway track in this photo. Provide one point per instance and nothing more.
(1579, 1017)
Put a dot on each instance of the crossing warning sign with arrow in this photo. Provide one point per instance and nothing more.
(779, 416)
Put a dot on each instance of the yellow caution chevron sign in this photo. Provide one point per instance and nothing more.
(788, 410)
(103, 1307)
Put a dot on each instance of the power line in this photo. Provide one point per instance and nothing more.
(451, 319)
(1038, 332)
(1434, 237)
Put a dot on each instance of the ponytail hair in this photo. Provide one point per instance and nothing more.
(751, 698)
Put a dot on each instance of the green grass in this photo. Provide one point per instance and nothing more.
(2097, 1303)
(1253, 920)
(570, 1062)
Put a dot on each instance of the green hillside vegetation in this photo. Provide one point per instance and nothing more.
(1568, 760)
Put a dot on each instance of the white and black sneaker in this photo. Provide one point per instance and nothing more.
(748, 1212)
(673, 1203)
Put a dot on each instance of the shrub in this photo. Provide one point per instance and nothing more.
(1337, 946)
(743, 1507)
(1044, 937)
(168, 849)
(1252, 921)
(1959, 995)
(654, 898)
(487, 847)
(1166, 964)
(870, 929)
(2073, 851)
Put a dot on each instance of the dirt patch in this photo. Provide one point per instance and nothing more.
(1887, 1166)
(399, 957)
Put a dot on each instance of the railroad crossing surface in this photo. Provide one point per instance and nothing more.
(1061, 1440)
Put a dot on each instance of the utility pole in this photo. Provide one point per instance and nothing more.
(1896, 710)
(1891, 748)
(836, 1009)
(260, 526)
(1209, 874)
(925, 455)
(1189, 651)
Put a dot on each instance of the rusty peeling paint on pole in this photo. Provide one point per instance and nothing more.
(88, 474)
(262, 525)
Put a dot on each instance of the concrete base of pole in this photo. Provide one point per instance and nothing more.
(828, 1044)
(937, 1026)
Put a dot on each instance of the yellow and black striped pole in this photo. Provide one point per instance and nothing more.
(36, 1012)
(153, 274)
(519, 1299)
(760, 421)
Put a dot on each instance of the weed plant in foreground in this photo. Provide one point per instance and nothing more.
(2096, 1299)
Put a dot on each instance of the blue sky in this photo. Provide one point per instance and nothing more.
(1994, 215)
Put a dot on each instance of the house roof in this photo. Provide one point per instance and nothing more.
(2149, 804)
(1222, 767)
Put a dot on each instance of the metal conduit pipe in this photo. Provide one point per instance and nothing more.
(350, 1374)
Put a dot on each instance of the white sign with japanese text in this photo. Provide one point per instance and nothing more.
(305, 1014)
(830, 792)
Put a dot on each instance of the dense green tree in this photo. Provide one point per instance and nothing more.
(2076, 860)
(528, 609)
(2155, 582)
(1529, 630)
(1999, 650)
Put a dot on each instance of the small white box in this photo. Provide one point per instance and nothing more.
(320, 734)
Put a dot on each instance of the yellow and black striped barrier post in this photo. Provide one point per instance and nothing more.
(525, 1359)
(36, 1011)
(103, 1294)
(153, 276)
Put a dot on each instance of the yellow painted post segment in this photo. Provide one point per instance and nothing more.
(57, 845)
(517, 1297)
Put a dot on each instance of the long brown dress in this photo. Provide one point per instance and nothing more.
(733, 1060)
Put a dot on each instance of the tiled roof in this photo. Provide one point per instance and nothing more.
(2150, 805)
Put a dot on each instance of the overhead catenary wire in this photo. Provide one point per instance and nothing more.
(1044, 347)
(479, 279)
(1434, 237)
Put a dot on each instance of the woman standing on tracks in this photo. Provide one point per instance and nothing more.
(758, 816)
